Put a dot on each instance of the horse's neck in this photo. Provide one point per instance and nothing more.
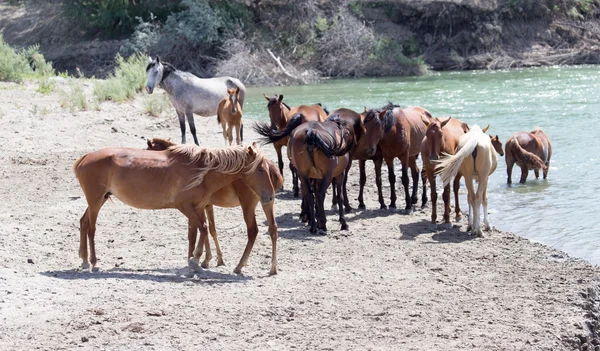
(284, 117)
(171, 82)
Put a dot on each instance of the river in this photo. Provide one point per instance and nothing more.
(564, 101)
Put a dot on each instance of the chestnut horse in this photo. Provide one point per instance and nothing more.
(529, 151)
(183, 177)
(233, 195)
(403, 141)
(279, 115)
(475, 159)
(441, 137)
(229, 115)
(319, 152)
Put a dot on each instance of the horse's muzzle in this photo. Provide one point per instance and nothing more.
(433, 157)
(266, 198)
(149, 90)
(371, 152)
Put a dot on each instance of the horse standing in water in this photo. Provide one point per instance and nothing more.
(475, 159)
(229, 115)
(183, 177)
(441, 137)
(189, 94)
(280, 114)
(235, 194)
(529, 151)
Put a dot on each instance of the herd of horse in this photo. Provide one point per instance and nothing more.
(321, 147)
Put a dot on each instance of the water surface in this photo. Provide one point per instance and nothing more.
(564, 101)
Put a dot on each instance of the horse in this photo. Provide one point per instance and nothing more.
(280, 114)
(475, 159)
(229, 115)
(319, 152)
(369, 129)
(190, 94)
(497, 144)
(529, 151)
(403, 141)
(183, 177)
(235, 194)
(441, 137)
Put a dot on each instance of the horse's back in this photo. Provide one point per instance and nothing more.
(415, 116)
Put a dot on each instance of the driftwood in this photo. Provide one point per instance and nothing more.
(285, 71)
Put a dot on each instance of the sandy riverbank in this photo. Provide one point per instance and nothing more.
(391, 282)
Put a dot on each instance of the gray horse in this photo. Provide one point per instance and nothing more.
(190, 94)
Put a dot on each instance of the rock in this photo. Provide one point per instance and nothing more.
(29, 260)
(84, 339)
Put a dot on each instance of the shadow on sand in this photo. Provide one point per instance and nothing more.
(443, 233)
(177, 275)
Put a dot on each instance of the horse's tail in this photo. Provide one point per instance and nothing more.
(272, 136)
(218, 117)
(524, 157)
(242, 132)
(327, 143)
(449, 166)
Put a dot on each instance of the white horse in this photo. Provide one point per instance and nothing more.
(190, 94)
(475, 159)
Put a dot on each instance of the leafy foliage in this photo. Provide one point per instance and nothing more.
(129, 78)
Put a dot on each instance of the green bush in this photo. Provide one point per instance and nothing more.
(45, 85)
(129, 78)
(156, 104)
(13, 66)
(73, 98)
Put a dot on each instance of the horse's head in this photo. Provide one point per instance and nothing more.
(276, 108)
(434, 135)
(259, 176)
(155, 71)
(159, 144)
(377, 124)
(497, 144)
(233, 99)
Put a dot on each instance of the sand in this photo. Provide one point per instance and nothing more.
(393, 281)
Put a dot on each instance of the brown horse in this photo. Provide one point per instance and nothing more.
(183, 177)
(441, 137)
(280, 114)
(529, 151)
(229, 115)
(319, 152)
(403, 141)
(497, 144)
(233, 195)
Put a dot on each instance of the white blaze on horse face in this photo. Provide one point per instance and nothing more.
(155, 74)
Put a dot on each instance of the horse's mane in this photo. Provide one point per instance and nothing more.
(390, 106)
(388, 119)
(230, 160)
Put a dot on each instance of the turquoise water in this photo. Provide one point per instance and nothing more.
(564, 101)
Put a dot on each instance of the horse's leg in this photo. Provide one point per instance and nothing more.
(238, 139)
(456, 188)
(309, 202)
(279, 159)
(92, 212)
(414, 168)
(197, 218)
(224, 126)
(269, 210)
(248, 210)
(295, 186)
(484, 202)
(446, 198)
(406, 182)
(424, 195)
(432, 187)
(362, 182)
(378, 162)
(210, 214)
(334, 197)
(536, 172)
(471, 200)
(509, 166)
(230, 133)
(546, 170)
(347, 206)
(322, 186)
(476, 207)
(190, 117)
(84, 227)
(392, 179)
(524, 173)
(181, 117)
(192, 234)
(341, 211)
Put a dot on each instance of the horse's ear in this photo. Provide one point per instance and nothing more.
(157, 59)
(149, 144)
(251, 149)
(496, 137)
(149, 59)
(486, 128)
(427, 123)
(366, 109)
(254, 145)
(382, 114)
(237, 90)
(266, 97)
(446, 122)
(280, 98)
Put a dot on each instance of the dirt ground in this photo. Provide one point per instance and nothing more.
(392, 281)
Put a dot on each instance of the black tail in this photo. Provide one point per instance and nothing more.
(272, 136)
(242, 132)
(218, 118)
(327, 143)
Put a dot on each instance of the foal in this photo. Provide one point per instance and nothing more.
(229, 115)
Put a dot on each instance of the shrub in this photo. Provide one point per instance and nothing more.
(156, 104)
(45, 85)
(129, 78)
(73, 98)
(37, 62)
(13, 66)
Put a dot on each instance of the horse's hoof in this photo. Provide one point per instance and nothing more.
(296, 194)
(220, 262)
(344, 226)
(362, 207)
(408, 211)
(237, 270)
(273, 271)
(193, 264)
(85, 266)
(334, 208)
(204, 264)
(312, 230)
(382, 207)
(322, 231)
(95, 269)
(392, 206)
